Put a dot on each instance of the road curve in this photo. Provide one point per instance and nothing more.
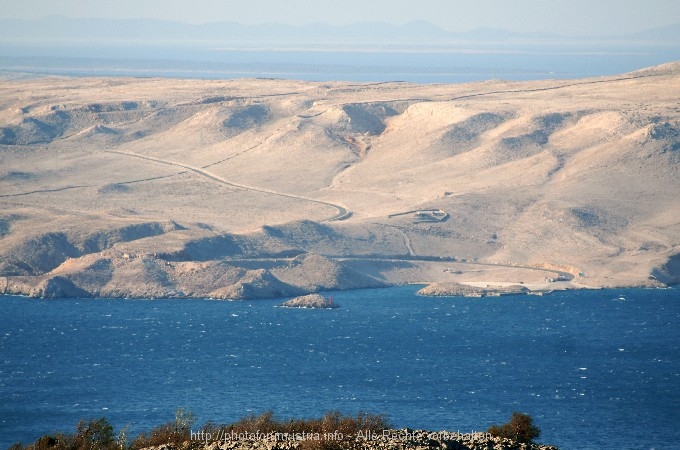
(341, 214)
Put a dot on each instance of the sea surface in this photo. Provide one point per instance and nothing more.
(596, 369)
(445, 65)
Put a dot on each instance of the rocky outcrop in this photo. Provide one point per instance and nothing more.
(669, 272)
(463, 290)
(116, 274)
(259, 283)
(39, 254)
(313, 273)
(57, 287)
(312, 301)
(405, 439)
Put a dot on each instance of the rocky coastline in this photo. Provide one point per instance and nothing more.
(116, 274)
(303, 210)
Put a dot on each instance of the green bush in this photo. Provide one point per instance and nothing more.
(520, 428)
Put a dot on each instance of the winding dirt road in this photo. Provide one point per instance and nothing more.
(341, 214)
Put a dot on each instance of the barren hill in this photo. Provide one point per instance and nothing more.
(260, 188)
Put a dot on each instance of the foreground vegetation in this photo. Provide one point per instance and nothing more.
(333, 431)
(320, 433)
(520, 428)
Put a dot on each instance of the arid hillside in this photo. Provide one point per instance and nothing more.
(259, 188)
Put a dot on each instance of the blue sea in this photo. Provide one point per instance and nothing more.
(444, 65)
(596, 369)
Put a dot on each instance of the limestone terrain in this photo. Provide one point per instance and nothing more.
(254, 188)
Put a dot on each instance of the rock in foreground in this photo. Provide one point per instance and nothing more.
(406, 439)
(313, 301)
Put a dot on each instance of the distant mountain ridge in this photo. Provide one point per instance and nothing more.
(61, 30)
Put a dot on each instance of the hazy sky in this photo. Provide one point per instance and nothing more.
(591, 17)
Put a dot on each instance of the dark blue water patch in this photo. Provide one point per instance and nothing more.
(596, 369)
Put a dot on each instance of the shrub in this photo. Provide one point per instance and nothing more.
(95, 434)
(99, 434)
(161, 435)
(264, 423)
(328, 428)
(331, 422)
(175, 432)
(184, 420)
(520, 428)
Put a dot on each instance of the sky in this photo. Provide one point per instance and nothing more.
(568, 17)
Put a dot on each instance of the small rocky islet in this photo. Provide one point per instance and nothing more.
(311, 301)
(452, 289)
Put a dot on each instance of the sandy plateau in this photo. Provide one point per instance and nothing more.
(123, 187)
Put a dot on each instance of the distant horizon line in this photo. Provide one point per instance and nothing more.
(362, 23)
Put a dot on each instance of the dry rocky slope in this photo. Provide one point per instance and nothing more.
(122, 187)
